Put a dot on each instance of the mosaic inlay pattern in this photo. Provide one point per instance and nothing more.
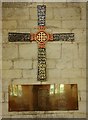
(41, 37)
(63, 37)
(19, 37)
(41, 64)
(41, 14)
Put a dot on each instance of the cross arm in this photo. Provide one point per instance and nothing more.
(41, 12)
(19, 37)
(63, 37)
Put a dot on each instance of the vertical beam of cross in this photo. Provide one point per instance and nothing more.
(41, 37)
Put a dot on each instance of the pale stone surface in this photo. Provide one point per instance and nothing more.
(53, 50)
(30, 73)
(11, 73)
(82, 107)
(27, 24)
(24, 81)
(67, 14)
(74, 24)
(35, 63)
(28, 51)
(53, 24)
(80, 35)
(83, 96)
(4, 109)
(23, 64)
(9, 51)
(9, 24)
(79, 115)
(0, 51)
(69, 51)
(7, 64)
(15, 13)
(64, 64)
(84, 72)
(54, 73)
(82, 51)
(51, 63)
(33, 13)
(71, 73)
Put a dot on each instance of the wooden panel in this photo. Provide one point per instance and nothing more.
(43, 97)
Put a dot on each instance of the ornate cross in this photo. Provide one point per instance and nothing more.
(41, 37)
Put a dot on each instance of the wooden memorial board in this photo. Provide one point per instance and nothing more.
(47, 97)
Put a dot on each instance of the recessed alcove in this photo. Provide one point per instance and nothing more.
(47, 97)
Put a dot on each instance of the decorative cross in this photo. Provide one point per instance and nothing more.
(41, 37)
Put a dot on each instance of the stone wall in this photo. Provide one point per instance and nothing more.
(66, 61)
(0, 60)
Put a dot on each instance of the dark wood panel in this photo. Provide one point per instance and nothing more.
(43, 97)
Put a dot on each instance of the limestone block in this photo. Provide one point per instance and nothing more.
(7, 64)
(5, 83)
(1, 97)
(79, 115)
(82, 51)
(69, 51)
(53, 50)
(84, 73)
(28, 51)
(15, 13)
(4, 35)
(49, 13)
(4, 109)
(56, 4)
(54, 73)
(24, 81)
(1, 85)
(53, 24)
(33, 13)
(23, 64)
(0, 51)
(18, 4)
(0, 64)
(74, 24)
(67, 13)
(64, 64)
(6, 97)
(9, 24)
(11, 74)
(71, 73)
(51, 63)
(0, 110)
(58, 80)
(83, 13)
(82, 107)
(30, 74)
(80, 35)
(9, 51)
(35, 64)
(59, 30)
(83, 96)
(26, 24)
(79, 63)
